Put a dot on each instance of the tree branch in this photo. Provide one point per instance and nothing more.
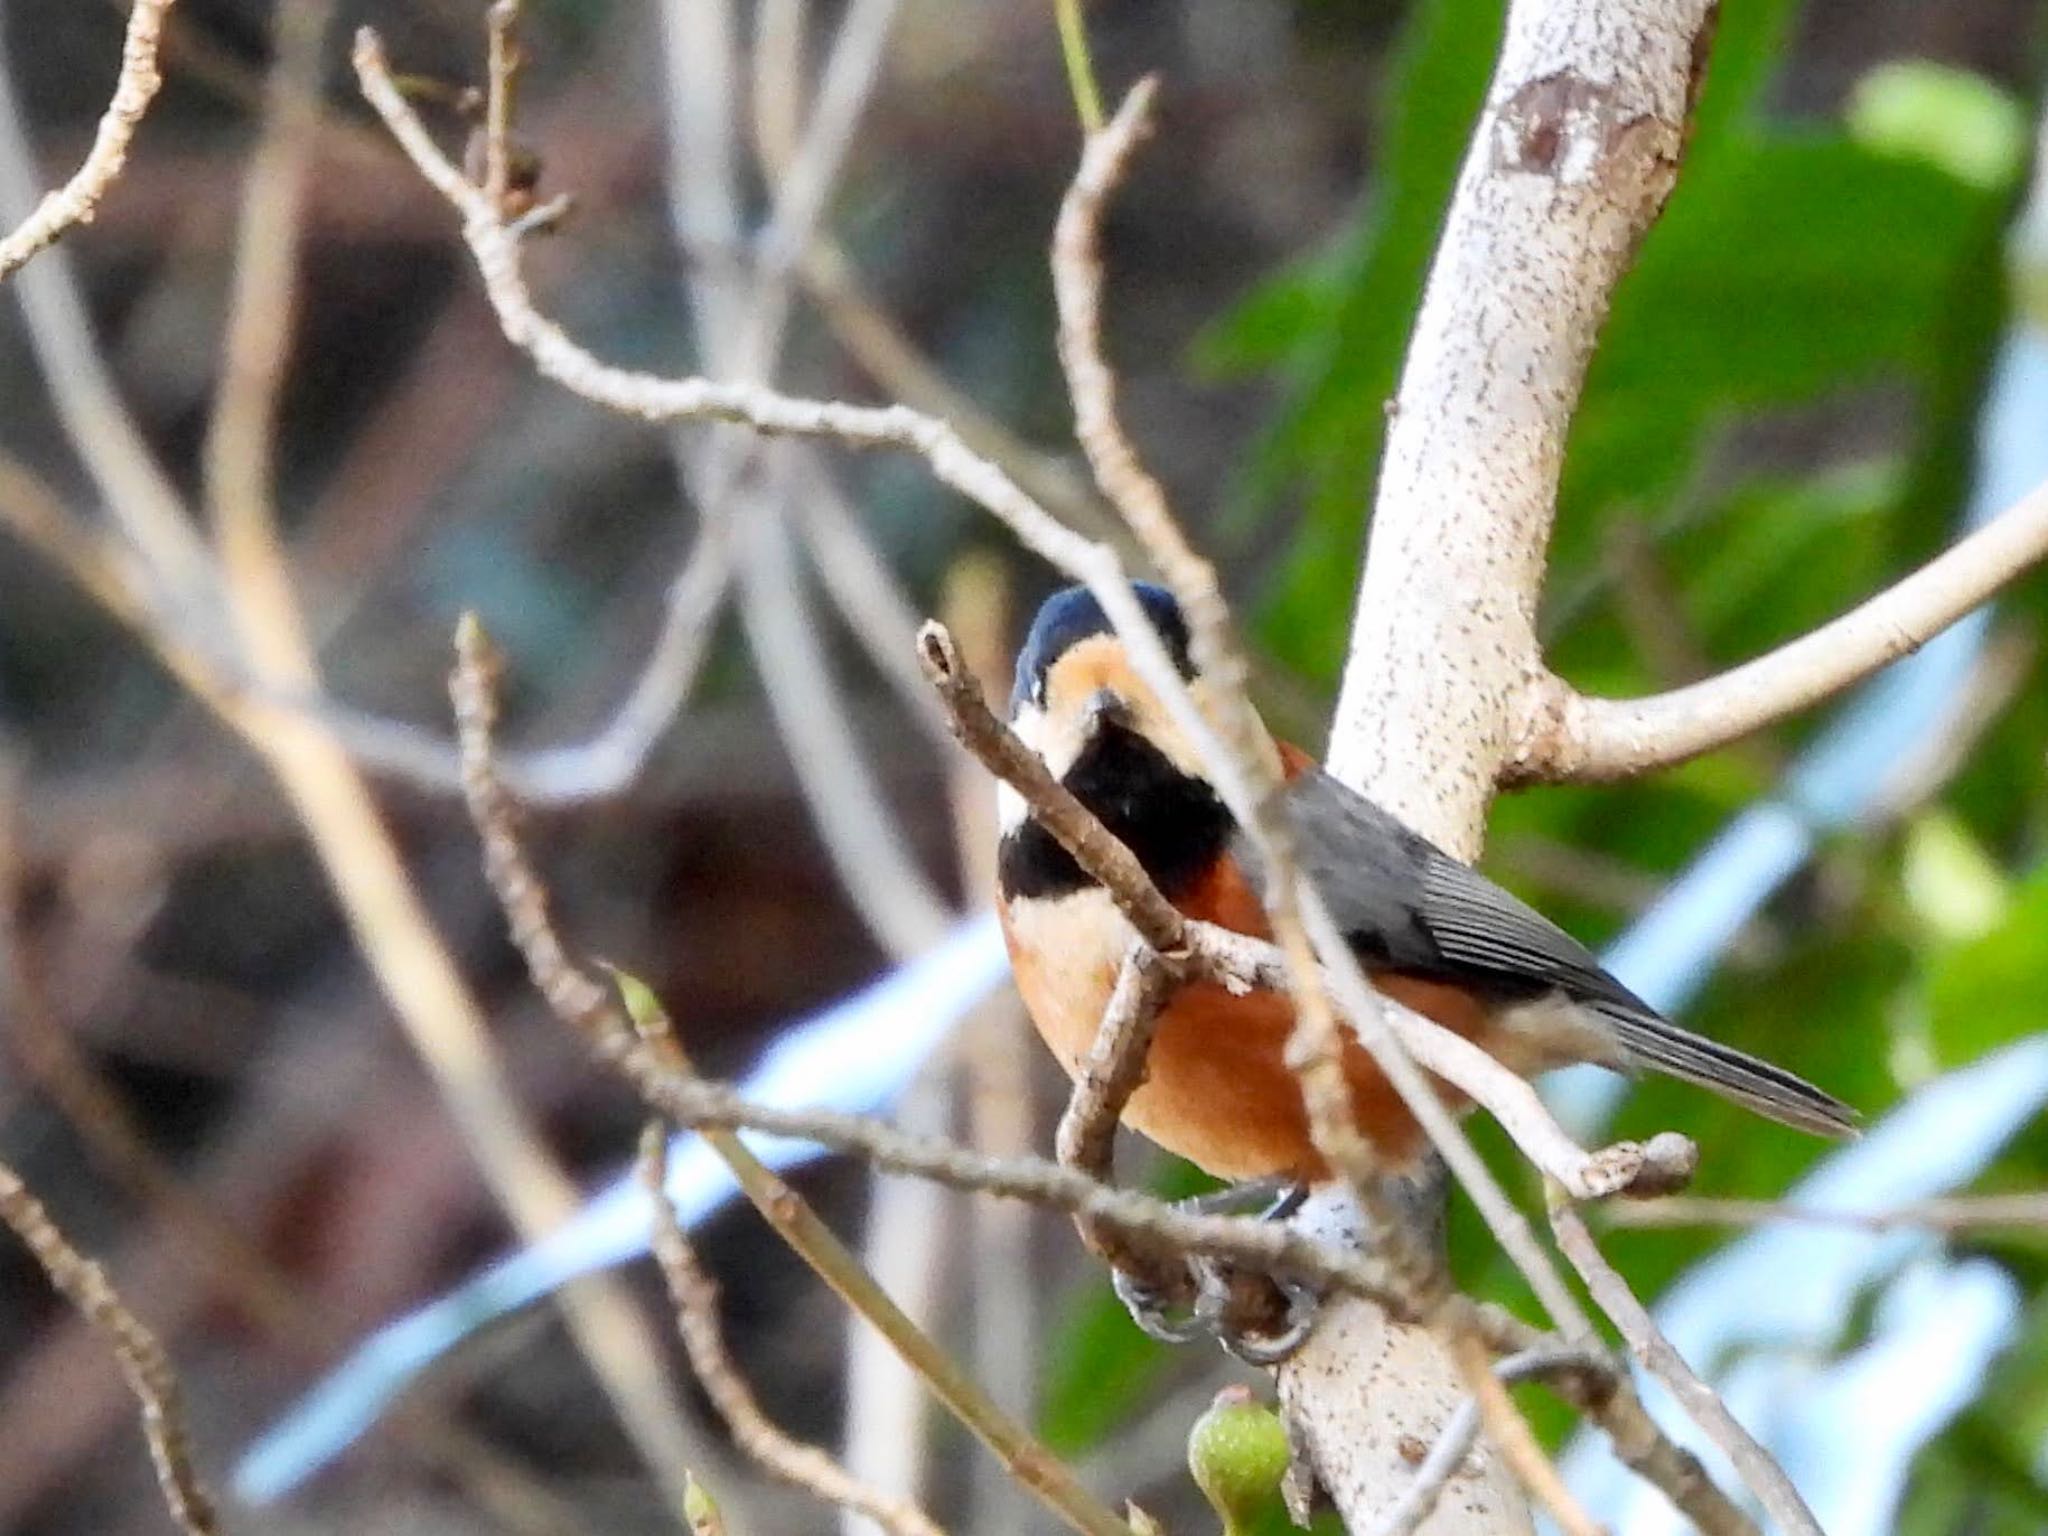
(695, 1295)
(1752, 1462)
(1570, 161)
(1569, 736)
(79, 198)
(143, 1361)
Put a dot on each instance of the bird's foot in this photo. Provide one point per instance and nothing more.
(1259, 1319)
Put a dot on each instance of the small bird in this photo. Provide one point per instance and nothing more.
(1431, 932)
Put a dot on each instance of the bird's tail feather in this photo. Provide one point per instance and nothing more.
(1657, 1045)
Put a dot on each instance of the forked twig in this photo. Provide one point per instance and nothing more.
(695, 1295)
(78, 199)
(640, 1043)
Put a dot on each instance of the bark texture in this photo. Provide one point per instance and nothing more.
(1573, 157)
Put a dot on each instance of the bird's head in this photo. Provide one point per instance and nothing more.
(1078, 695)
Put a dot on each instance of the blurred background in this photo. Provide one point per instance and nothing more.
(253, 991)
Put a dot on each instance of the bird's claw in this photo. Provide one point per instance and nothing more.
(1238, 1308)
(1260, 1319)
(1153, 1308)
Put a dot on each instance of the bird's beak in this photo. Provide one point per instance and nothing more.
(1106, 707)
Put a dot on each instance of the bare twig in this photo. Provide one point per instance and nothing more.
(1568, 736)
(391, 926)
(1756, 1466)
(1517, 1444)
(495, 248)
(501, 26)
(695, 1294)
(876, 867)
(1455, 1440)
(1956, 1213)
(1115, 1068)
(143, 1361)
(1116, 1064)
(79, 198)
(875, 342)
(645, 1049)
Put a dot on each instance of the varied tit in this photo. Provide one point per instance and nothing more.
(1431, 932)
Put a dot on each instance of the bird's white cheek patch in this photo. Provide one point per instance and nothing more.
(1056, 743)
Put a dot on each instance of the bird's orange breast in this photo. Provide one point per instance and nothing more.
(1217, 1089)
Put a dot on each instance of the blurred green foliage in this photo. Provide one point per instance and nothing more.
(1780, 417)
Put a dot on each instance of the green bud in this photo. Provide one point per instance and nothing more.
(700, 1509)
(1237, 1453)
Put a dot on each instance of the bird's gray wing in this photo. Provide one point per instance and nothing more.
(1409, 905)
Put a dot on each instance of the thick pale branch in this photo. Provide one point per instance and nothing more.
(1570, 162)
(1568, 736)
(1572, 158)
(79, 198)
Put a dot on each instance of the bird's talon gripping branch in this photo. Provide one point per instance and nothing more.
(1260, 1319)
(1158, 1311)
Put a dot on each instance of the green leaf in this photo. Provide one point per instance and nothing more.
(1949, 880)
(1988, 991)
(1101, 1368)
(1950, 118)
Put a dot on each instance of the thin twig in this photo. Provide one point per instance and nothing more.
(495, 247)
(501, 27)
(1113, 1071)
(1956, 1213)
(79, 198)
(695, 1295)
(143, 1361)
(1116, 1064)
(1455, 1440)
(1607, 1397)
(390, 924)
(1569, 736)
(864, 841)
(646, 1050)
(1517, 1443)
(878, 345)
(1755, 1465)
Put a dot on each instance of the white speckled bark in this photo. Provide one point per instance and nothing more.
(1571, 161)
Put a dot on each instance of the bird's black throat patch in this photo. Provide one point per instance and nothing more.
(1173, 822)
